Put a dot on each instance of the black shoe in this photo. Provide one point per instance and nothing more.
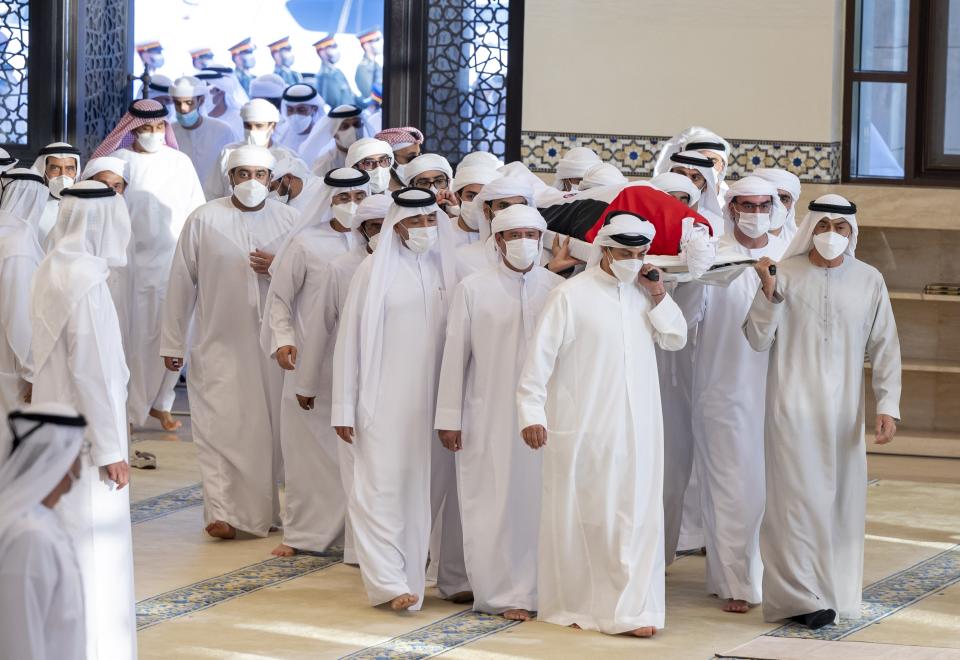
(817, 619)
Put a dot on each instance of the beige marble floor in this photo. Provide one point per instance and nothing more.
(325, 614)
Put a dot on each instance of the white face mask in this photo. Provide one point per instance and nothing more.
(626, 270)
(346, 137)
(830, 244)
(257, 136)
(754, 225)
(151, 142)
(379, 179)
(58, 183)
(778, 216)
(522, 252)
(421, 238)
(400, 170)
(299, 123)
(276, 196)
(470, 213)
(344, 212)
(373, 241)
(250, 193)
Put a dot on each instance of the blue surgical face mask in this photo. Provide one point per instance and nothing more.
(190, 119)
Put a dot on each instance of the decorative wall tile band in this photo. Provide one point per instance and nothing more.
(888, 596)
(213, 591)
(635, 155)
(439, 637)
(165, 504)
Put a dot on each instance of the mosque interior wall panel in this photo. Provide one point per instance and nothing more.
(103, 92)
(909, 258)
(14, 73)
(635, 155)
(653, 67)
(929, 330)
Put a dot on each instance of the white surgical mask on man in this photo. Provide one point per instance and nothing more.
(470, 212)
(754, 225)
(379, 179)
(299, 123)
(257, 136)
(58, 183)
(344, 212)
(373, 241)
(626, 270)
(421, 239)
(346, 136)
(151, 142)
(521, 252)
(250, 193)
(830, 244)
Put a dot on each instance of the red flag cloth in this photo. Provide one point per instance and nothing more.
(664, 211)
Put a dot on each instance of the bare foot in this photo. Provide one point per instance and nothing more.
(166, 419)
(403, 602)
(648, 631)
(283, 550)
(221, 530)
(736, 606)
(461, 597)
(516, 615)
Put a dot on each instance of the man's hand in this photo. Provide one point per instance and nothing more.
(654, 289)
(768, 282)
(452, 440)
(260, 261)
(886, 429)
(535, 436)
(119, 473)
(306, 402)
(345, 433)
(173, 363)
(446, 198)
(287, 357)
(561, 260)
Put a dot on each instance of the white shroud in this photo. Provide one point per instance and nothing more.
(492, 318)
(590, 379)
(234, 388)
(162, 190)
(729, 390)
(811, 538)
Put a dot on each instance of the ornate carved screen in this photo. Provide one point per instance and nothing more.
(14, 44)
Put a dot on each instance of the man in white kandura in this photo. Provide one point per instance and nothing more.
(589, 392)
(788, 189)
(314, 503)
(492, 319)
(162, 190)
(385, 375)
(21, 206)
(41, 594)
(200, 137)
(819, 315)
(59, 165)
(729, 391)
(218, 285)
(78, 361)
(314, 392)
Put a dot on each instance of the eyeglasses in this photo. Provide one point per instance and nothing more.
(441, 182)
(750, 207)
(368, 164)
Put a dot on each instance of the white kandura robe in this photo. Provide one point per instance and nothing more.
(590, 379)
(329, 159)
(390, 502)
(162, 190)
(203, 145)
(811, 538)
(234, 387)
(492, 319)
(332, 296)
(41, 594)
(314, 501)
(19, 258)
(729, 397)
(86, 370)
